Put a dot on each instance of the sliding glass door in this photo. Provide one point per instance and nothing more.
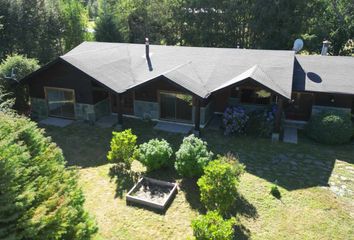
(176, 106)
(61, 102)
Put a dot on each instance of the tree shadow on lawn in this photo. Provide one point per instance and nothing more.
(124, 178)
(190, 188)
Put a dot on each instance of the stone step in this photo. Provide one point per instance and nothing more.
(290, 135)
(294, 124)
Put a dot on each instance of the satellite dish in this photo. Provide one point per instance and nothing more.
(12, 76)
(298, 45)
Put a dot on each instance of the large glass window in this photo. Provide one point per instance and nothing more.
(176, 106)
(61, 102)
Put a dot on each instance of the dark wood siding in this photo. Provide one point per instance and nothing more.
(149, 91)
(62, 75)
(333, 100)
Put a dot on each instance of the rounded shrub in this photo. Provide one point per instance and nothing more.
(218, 185)
(260, 123)
(123, 145)
(234, 120)
(213, 226)
(192, 157)
(154, 154)
(330, 127)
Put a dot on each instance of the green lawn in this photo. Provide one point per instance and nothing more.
(308, 209)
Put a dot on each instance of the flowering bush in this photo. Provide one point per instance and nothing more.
(122, 147)
(261, 123)
(192, 157)
(234, 120)
(213, 226)
(154, 154)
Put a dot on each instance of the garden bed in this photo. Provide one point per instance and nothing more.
(152, 193)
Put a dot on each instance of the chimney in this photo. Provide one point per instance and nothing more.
(147, 48)
(325, 47)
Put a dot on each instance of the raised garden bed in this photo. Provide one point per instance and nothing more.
(152, 193)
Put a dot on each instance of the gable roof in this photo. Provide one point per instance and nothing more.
(121, 66)
(330, 74)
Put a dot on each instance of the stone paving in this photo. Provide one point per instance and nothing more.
(296, 170)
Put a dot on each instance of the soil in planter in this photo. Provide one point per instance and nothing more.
(152, 192)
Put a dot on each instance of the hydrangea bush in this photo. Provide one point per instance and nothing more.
(154, 154)
(261, 123)
(234, 120)
(192, 157)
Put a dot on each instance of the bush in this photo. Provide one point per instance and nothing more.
(154, 154)
(40, 198)
(218, 185)
(275, 191)
(22, 66)
(213, 227)
(330, 127)
(192, 157)
(261, 123)
(123, 145)
(234, 120)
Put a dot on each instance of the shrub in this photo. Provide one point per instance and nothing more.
(234, 120)
(275, 191)
(192, 157)
(218, 185)
(213, 227)
(123, 145)
(261, 123)
(154, 154)
(40, 198)
(22, 66)
(330, 127)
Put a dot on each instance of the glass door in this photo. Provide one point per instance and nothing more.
(61, 102)
(176, 106)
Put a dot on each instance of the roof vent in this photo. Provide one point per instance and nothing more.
(325, 47)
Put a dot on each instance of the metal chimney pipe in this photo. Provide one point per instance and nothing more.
(325, 47)
(147, 48)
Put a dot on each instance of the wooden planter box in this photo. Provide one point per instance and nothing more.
(153, 193)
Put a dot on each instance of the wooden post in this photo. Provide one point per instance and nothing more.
(119, 108)
(197, 115)
(278, 115)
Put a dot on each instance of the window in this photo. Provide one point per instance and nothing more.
(255, 96)
(61, 102)
(176, 106)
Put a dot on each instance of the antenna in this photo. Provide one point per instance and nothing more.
(298, 45)
(12, 76)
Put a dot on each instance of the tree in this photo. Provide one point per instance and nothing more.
(40, 197)
(20, 66)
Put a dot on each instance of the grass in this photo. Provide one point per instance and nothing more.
(308, 209)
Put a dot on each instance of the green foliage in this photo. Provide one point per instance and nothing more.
(330, 127)
(40, 198)
(213, 227)
(123, 145)
(218, 185)
(192, 157)
(154, 154)
(107, 29)
(21, 66)
(275, 191)
(259, 124)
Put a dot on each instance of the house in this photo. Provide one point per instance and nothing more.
(187, 84)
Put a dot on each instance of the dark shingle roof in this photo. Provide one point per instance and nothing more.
(121, 66)
(331, 74)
